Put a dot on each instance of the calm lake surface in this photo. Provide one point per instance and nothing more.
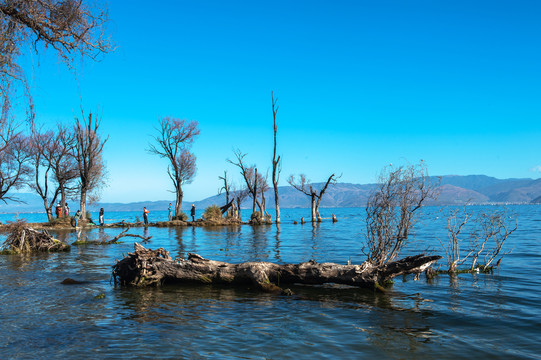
(479, 316)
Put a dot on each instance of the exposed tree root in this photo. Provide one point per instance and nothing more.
(23, 239)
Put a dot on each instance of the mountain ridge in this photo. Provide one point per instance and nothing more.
(453, 189)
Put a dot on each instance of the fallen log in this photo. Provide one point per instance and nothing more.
(146, 267)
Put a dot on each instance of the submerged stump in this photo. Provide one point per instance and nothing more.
(23, 239)
(146, 267)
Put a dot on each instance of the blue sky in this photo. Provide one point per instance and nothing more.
(360, 84)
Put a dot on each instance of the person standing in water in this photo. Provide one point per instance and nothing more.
(101, 217)
(145, 216)
(192, 212)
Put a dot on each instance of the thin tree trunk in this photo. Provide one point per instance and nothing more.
(178, 205)
(313, 207)
(254, 195)
(83, 204)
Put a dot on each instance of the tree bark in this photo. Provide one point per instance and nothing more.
(146, 267)
(83, 204)
(313, 196)
(179, 196)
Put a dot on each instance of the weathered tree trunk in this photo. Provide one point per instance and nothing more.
(254, 194)
(48, 210)
(313, 197)
(238, 208)
(82, 203)
(179, 198)
(276, 165)
(145, 267)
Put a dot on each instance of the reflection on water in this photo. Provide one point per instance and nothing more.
(487, 316)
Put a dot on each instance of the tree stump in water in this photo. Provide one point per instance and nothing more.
(23, 239)
(146, 267)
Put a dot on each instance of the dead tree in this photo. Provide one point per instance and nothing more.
(88, 154)
(331, 180)
(146, 267)
(174, 139)
(457, 221)
(253, 180)
(226, 188)
(303, 185)
(41, 181)
(276, 161)
(61, 156)
(493, 230)
(239, 196)
(392, 209)
(14, 156)
(68, 27)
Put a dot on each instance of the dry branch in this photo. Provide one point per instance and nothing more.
(146, 267)
(124, 233)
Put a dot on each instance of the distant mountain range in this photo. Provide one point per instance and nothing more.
(454, 190)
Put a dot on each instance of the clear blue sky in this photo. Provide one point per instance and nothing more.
(360, 84)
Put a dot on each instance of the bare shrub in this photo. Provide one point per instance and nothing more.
(391, 211)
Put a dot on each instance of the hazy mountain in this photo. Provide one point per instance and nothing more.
(454, 190)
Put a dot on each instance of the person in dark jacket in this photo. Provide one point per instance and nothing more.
(145, 215)
(101, 216)
(192, 212)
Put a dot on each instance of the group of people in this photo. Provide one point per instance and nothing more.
(170, 215)
(64, 211)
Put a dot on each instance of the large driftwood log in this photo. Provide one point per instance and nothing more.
(146, 267)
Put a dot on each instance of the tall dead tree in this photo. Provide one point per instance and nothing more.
(391, 211)
(88, 154)
(276, 161)
(175, 136)
(226, 187)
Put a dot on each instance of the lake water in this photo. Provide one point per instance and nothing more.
(479, 316)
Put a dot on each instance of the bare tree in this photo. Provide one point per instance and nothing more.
(69, 27)
(255, 182)
(302, 184)
(392, 209)
(457, 221)
(14, 155)
(494, 229)
(330, 181)
(226, 187)
(60, 154)
(174, 138)
(276, 161)
(239, 196)
(41, 181)
(88, 153)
